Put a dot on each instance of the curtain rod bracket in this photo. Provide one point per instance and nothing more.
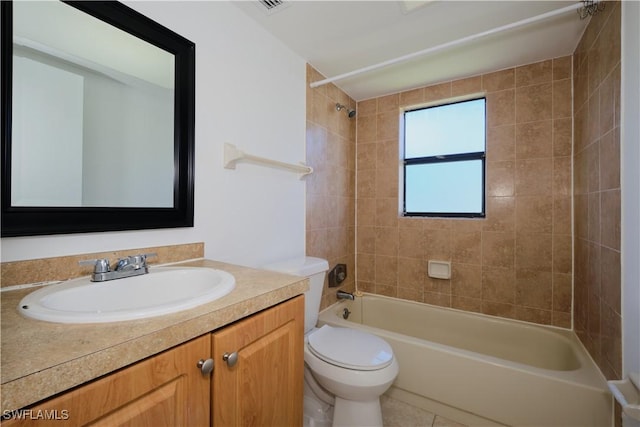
(590, 8)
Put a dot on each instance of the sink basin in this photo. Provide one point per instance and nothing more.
(162, 291)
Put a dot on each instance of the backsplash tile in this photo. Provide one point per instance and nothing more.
(66, 267)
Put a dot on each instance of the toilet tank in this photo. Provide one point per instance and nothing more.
(313, 268)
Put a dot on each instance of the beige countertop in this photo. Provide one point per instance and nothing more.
(40, 359)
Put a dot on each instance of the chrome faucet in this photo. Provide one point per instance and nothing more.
(345, 295)
(133, 265)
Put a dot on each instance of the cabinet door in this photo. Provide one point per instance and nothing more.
(264, 387)
(165, 390)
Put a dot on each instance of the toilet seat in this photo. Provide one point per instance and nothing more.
(349, 348)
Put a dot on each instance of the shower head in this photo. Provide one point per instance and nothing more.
(350, 111)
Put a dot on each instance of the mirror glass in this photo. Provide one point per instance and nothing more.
(92, 114)
(98, 119)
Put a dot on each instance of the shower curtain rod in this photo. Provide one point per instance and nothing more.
(448, 45)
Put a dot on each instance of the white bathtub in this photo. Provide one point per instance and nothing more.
(481, 369)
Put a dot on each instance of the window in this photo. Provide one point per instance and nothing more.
(444, 160)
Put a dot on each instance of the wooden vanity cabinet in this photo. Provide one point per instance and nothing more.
(257, 381)
(164, 390)
(258, 377)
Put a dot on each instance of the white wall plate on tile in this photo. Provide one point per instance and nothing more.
(439, 269)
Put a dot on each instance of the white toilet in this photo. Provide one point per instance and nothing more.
(346, 370)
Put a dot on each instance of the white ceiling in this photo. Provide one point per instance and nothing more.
(337, 37)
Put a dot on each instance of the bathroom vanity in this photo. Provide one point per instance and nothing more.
(157, 370)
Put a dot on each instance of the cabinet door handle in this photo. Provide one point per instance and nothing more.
(206, 366)
(230, 358)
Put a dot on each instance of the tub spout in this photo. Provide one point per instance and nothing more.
(345, 295)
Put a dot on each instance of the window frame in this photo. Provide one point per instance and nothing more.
(445, 158)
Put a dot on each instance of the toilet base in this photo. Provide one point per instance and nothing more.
(351, 413)
(316, 413)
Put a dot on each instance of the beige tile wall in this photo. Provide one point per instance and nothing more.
(330, 198)
(516, 262)
(597, 288)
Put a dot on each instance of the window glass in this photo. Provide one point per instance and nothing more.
(444, 163)
(447, 129)
(457, 189)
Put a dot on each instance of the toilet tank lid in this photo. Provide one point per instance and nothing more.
(302, 266)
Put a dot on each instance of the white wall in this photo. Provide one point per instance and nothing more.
(47, 104)
(134, 154)
(250, 91)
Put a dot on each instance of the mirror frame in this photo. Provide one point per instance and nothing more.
(43, 220)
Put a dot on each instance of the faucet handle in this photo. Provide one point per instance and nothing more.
(134, 262)
(100, 265)
(141, 259)
(149, 255)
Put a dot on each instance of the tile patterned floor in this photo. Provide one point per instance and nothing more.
(399, 414)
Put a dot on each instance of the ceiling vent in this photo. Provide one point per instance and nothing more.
(272, 6)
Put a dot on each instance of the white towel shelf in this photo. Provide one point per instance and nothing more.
(233, 155)
(627, 393)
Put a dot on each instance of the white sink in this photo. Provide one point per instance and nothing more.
(162, 291)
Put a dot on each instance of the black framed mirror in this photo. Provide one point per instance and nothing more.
(139, 116)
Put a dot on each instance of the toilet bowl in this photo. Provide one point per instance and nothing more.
(346, 370)
(355, 367)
